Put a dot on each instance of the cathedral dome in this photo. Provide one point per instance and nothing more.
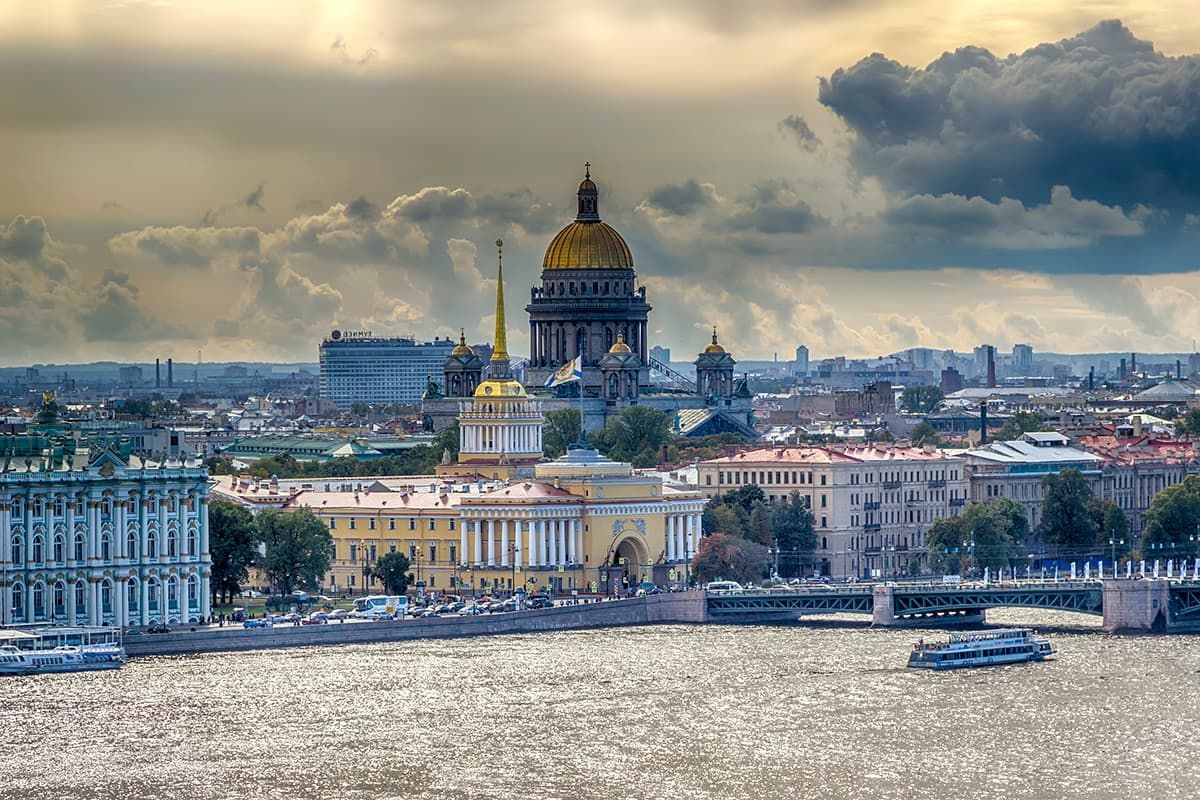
(462, 348)
(588, 243)
(715, 347)
(619, 345)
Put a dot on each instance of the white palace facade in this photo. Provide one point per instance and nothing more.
(91, 535)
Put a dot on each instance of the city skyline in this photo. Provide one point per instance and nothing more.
(186, 178)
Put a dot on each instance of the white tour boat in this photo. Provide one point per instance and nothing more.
(33, 651)
(981, 649)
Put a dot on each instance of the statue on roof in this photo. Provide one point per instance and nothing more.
(432, 390)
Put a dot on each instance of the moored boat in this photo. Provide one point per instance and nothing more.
(37, 650)
(981, 649)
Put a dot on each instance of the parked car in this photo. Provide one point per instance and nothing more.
(315, 618)
(158, 628)
(472, 610)
(539, 601)
(339, 613)
(255, 623)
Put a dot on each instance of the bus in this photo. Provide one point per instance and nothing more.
(379, 605)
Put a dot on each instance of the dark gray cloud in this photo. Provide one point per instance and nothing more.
(680, 199)
(254, 199)
(342, 50)
(27, 239)
(773, 207)
(114, 313)
(1101, 112)
(797, 128)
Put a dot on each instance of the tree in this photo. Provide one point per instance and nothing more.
(1113, 525)
(1189, 423)
(560, 431)
(982, 536)
(359, 409)
(1172, 520)
(1020, 422)
(744, 497)
(923, 434)
(1066, 519)
(725, 557)
(446, 441)
(391, 569)
(760, 528)
(921, 399)
(795, 539)
(233, 542)
(298, 549)
(637, 436)
(723, 518)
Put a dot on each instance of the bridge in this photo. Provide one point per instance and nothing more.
(1130, 605)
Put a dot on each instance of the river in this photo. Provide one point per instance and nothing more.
(683, 712)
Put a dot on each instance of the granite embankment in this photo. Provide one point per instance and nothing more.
(684, 607)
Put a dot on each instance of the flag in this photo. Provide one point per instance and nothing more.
(570, 371)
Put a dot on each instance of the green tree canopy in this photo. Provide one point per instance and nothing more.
(298, 549)
(391, 570)
(795, 538)
(233, 542)
(923, 434)
(1020, 422)
(921, 399)
(981, 536)
(1066, 517)
(725, 557)
(637, 436)
(1189, 423)
(760, 528)
(560, 432)
(1172, 520)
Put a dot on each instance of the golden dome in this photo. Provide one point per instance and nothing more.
(495, 389)
(588, 245)
(619, 345)
(714, 347)
(462, 348)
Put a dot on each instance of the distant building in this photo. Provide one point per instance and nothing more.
(951, 381)
(661, 354)
(872, 505)
(130, 376)
(361, 368)
(1022, 359)
(801, 360)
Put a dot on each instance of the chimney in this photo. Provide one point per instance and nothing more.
(991, 374)
(1137, 426)
(664, 454)
(170, 372)
(157, 373)
(983, 433)
(1178, 370)
(1133, 363)
(1091, 378)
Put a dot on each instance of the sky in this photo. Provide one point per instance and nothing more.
(239, 179)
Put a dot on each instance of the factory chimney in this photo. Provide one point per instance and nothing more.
(170, 372)
(1133, 364)
(157, 373)
(1122, 374)
(991, 372)
(983, 432)
(1091, 378)
(1178, 370)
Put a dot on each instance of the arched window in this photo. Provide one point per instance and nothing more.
(39, 550)
(153, 592)
(106, 547)
(38, 506)
(132, 599)
(79, 547)
(18, 507)
(58, 506)
(106, 597)
(172, 593)
(106, 507)
(16, 549)
(171, 543)
(560, 289)
(131, 544)
(193, 591)
(152, 545)
(60, 599)
(80, 598)
(193, 547)
(18, 599)
(60, 548)
(39, 599)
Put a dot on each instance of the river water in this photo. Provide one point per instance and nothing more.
(683, 712)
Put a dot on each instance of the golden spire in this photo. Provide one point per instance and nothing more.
(500, 348)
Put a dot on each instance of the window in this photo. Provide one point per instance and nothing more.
(371, 523)
(39, 600)
(16, 550)
(106, 547)
(412, 524)
(353, 523)
(192, 545)
(823, 479)
(353, 552)
(372, 552)
(131, 546)
(453, 554)
(350, 579)
(106, 597)
(451, 523)
(412, 552)
(81, 597)
(131, 594)
(38, 550)
(18, 598)
(391, 523)
(333, 523)
(171, 543)
(60, 599)
(60, 548)
(79, 547)
(433, 524)
(433, 554)
(152, 545)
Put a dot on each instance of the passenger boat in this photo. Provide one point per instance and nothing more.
(981, 649)
(33, 651)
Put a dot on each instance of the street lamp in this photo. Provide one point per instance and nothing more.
(362, 555)
(1112, 543)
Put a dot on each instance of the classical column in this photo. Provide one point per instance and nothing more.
(573, 558)
(143, 528)
(93, 532)
(478, 525)
(205, 595)
(541, 548)
(690, 546)
(71, 610)
(491, 543)
(144, 608)
(671, 537)
(204, 551)
(118, 605)
(504, 543)
(517, 544)
(164, 607)
(29, 609)
(562, 536)
(553, 537)
(462, 542)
